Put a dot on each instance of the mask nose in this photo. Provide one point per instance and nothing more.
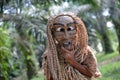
(66, 36)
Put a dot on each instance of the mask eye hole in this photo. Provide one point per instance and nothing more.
(60, 29)
(70, 28)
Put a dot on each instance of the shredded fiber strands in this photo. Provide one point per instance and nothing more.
(55, 65)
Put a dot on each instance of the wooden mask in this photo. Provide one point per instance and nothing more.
(64, 32)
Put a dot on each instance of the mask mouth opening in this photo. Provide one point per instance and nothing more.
(67, 44)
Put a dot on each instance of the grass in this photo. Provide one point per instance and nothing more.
(110, 71)
(102, 57)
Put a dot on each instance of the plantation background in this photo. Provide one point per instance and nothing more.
(23, 35)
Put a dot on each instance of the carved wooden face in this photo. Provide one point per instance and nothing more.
(64, 32)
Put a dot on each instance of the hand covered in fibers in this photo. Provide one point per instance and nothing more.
(69, 57)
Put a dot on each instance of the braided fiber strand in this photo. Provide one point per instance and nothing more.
(54, 62)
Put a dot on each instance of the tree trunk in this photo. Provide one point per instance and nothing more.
(102, 29)
(117, 27)
(27, 51)
(31, 68)
(29, 61)
(106, 44)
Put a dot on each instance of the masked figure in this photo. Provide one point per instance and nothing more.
(68, 56)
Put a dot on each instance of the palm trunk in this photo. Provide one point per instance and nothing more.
(117, 27)
(25, 47)
(102, 29)
(31, 70)
(115, 15)
(106, 44)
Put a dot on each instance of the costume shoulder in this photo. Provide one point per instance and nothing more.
(45, 54)
(91, 52)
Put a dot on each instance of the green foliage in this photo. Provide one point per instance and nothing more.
(118, 2)
(5, 53)
(10, 61)
(94, 3)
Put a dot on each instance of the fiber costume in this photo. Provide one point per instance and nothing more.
(55, 64)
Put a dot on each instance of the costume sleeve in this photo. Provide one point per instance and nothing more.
(91, 62)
